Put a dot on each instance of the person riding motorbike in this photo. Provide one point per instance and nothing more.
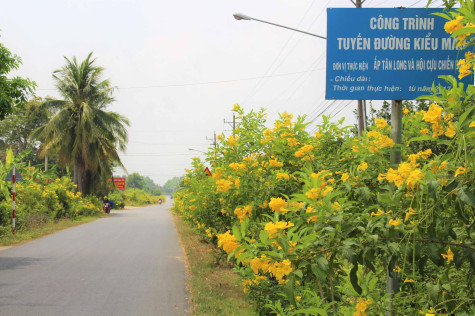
(107, 205)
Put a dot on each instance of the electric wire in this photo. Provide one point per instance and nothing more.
(202, 83)
(255, 89)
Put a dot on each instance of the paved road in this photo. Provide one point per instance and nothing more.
(130, 263)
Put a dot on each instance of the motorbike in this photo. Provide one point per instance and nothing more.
(107, 208)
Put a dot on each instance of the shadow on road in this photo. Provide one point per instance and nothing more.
(7, 263)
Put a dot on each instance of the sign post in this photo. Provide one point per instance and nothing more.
(119, 183)
(13, 176)
(388, 54)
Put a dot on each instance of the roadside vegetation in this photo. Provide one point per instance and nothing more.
(65, 150)
(313, 222)
(214, 287)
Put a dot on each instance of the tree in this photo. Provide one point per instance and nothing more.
(82, 133)
(13, 91)
(172, 185)
(16, 128)
(135, 180)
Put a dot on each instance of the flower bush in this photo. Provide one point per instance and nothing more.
(40, 197)
(133, 197)
(315, 222)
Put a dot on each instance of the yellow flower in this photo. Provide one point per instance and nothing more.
(277, 204)
(414, 178)
(408, 214)
(243, 212)
(362, 306)
(472, 124)
(460, 170)
(409, 280)
(379, 213)
(449, 255)
(275, 163)
(275, 228)
(397, 269)
(434, 114)
(298, 298)
(464, 68)
(236, 107)
(424, 131)
(453, 25)
(312, 193)
(406, 111)
(282, 176)
(345, 177)
(381, 123)
(362, 167)
(396, 222)
(228, 242)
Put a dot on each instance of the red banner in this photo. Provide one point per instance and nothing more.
(119, 183)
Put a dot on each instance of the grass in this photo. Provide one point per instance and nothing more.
(215, 288)
(24, 236)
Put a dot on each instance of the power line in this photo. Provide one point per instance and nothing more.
(255, 89)
(296, 44)
(204, 83)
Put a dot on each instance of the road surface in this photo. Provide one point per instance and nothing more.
(130, 263)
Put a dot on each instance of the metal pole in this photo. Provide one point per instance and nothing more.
(240, 16)
(396, 136)
(396, 129)
(14, 195)
(361, 117)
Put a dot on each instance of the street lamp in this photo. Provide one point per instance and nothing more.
(192, 149)
(240, 16)
(361, 113)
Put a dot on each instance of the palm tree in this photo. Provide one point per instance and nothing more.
(82, 133)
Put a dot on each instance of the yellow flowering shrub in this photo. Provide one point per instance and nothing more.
(331, 215)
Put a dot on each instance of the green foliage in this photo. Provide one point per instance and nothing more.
(135, 180)
(172, 185)
(40, 197)
(133, 197)
(13, 91)
(16, 128)
(312, 220)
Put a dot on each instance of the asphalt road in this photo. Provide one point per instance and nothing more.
(130, 263)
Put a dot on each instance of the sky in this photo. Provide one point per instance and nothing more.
(179, 66)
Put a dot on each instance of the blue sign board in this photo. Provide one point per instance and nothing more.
(387, 54)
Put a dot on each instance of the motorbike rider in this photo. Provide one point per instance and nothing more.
(107, 204)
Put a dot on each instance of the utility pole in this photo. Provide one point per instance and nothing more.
(361, 112)
(214, 143)
(233, 123)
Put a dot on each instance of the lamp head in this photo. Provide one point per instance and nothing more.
(240, 16)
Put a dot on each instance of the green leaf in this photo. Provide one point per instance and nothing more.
(434, 255)
(421, 138)
(237, 232)
(433, 290)
(465, 115)
(298, 273)
(354, 279)
(264, 237)
(432, 186)
(244, 227)
(464, 30)
(421, 264)
(466, 196)
(321, 275)
(323, 264)
(310, 311)
(10, 157)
